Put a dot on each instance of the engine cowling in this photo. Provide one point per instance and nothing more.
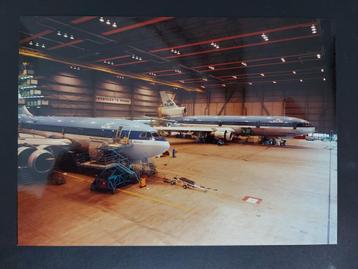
(41, 161)
(224, 133)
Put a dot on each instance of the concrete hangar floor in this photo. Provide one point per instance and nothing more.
(255, 195)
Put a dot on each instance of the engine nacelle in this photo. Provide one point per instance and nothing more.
(224, 133)
(41, 161)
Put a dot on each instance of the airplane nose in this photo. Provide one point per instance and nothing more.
(165, 146)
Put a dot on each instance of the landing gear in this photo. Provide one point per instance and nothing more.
(282, 142)
(269, 141)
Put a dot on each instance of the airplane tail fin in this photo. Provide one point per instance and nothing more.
(167, 100)
(22, 109)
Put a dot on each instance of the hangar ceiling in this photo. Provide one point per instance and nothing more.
(190, 53)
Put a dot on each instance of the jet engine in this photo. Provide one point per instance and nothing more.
(224, 133)
(39, 160)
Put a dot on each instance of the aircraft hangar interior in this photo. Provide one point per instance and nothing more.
(176, 131)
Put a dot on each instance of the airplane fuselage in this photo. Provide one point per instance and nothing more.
(143, 140)
(270, 126)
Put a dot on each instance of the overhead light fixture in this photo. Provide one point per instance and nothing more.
(215, 45)
(250, 83)
(313, 29)
(101, 19)
(322, 70)
(294, 72)
(71, 37)
(65, 35)
(318, 56)
(224, 85)
(181, 81)
(152, 74)
(43, 46)
(235, 77)
(211, 67)
(58, 33)
(177, 71)
(174, 51)
(301, 80)
(37, 44)
(262, 74)
(244, 64)
(265, 37)
(114, 25)
(120, 77)
(30, 43)
(108, 22)
(204, 79)
(135, 57)
(202, 86)
(274, 82)
(283, 60)
(324, 79)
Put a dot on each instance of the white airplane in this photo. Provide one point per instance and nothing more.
(46, 136)
(169, 108)
(225, 128)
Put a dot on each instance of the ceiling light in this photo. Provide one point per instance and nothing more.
(264, 36)
(30, 43)
(318, 56)
(58, 33)
(65, 35)
(37, 44)
(235, 77)
(322, 70)
(204, 79)
(262, 74)
(202, 86)
(211, 67)
(224, 85)
(324, 79)
(274, 82)
(244, 64)
(71, 37)
(114, 25)
(108, 22)
(105, 61)
(215, 45)
(294, 72)
(313, 29)
(43, 46)
(301, 80)
(181, 81)
(250, 83)
(101, 19)
(71, 67)
(283, 60)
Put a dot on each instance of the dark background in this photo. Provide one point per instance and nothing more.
(342, 14)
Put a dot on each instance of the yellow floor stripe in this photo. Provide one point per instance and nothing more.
(150, 198)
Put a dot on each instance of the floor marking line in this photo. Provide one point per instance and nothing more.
(153, 199)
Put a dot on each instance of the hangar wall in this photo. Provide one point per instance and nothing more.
(72, 93)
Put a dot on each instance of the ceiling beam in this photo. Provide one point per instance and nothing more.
(34, 36)
(262, 43)
(271, 30)
(136, 25)
(83, 19)
(66, 44)
(43, 56)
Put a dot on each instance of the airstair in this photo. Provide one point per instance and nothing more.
(114, 169)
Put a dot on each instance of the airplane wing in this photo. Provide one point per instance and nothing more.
(36, 140)
(184, 128)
